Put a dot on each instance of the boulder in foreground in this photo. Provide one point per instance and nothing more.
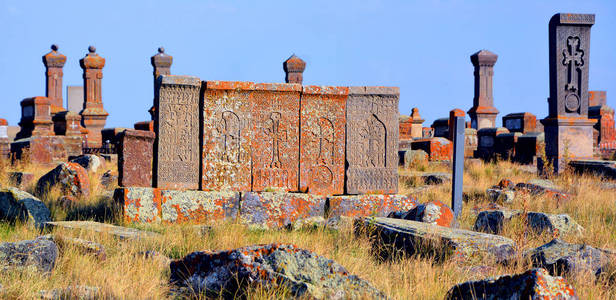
(560, 257)
(302, 272)
(533, 284)
(70, 177)
(493, 221)
(36, 255)
(441, 242)
(17, 205)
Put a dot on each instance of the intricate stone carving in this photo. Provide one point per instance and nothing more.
(372, 140)
(177, 133)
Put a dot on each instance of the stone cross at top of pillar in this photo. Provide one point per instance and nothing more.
(484, 58)
(54, 59)
(161, 59)
(92, 60)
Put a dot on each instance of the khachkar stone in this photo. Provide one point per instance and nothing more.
(54, 62)
(323, 118)
(483, 113)
(294, 69)
(93, 115)
(35, 118)
(227, 132)
(5, 145)
(161, 62)
(372, 140)
(568, 131)
(177, 146)
(135, 158)
(275, 140)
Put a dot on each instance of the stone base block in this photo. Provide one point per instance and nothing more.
(153, 205)
(368, 205)
(438, 149)
(47, 149)
(278, 209)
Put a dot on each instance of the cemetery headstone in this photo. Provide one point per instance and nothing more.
(458, 164)
(441, 128)
(483, 113)
(597, 98)
(93, 115)
(520, 122)
(54, 62)
(135, 156)
(74, 98)
(161, 62)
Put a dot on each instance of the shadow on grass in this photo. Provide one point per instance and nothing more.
(101, 210)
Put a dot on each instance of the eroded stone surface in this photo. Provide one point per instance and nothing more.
(36, 255)
(117, 231)
(90, 162)
(368, 205)
(303, 272)
(560, 257)
(438, 148)
(533, 284)
(69, 177)
(275, 209)
(17, 205)
(492, 221)
(433, 212)
(135, 158)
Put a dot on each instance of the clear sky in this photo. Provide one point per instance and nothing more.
(423, 47)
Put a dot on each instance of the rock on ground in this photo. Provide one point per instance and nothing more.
(434, 212)
(21, 179)
(438, 241)
(302, 272)
(84, 247)
(414, 158)
(80, 292)
(36, 255)
(90, 162)
(367, 205)
(70, 177)
(492, 221)
(560, 257)
(17, 205)
(117, 231)
(500, 195)
(533, 284)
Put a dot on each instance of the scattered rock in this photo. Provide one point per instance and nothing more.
(413, 158)
(117, 231)
(80, 292)
(70, 177)
(36, 255)
(435, 212)
(533, 284)
(543, 183)
(303, 272)
(442, 242)
(155, 256)
(17, 205)
(542, 187)
(90, 162)
(560, 257)
(108, 179)
(492, 221)
(311, 223)
(21, 179)
(500, 195)
(506, 184)
(84, 247)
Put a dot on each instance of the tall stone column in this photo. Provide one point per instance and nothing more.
(93, 115)
(483, 113)
(568, 131)
(294, 69)
(162, 66)
(54, 62)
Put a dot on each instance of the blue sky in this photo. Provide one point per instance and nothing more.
(423, 47)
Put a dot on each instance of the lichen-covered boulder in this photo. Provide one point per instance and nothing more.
(500, 195)
(413, 158)
(534, 284)
(434, 212)
(543, 187)
(560, 257)
(304, 273)
(35, 255)
(438, 241)
(90, 162)
(368, 205)
(492, 221)
(17, 205)
(279, 209)
(84, 247)
(70, 177)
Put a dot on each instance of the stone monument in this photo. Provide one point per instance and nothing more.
(294, 69)
(74, 98)
(161, 62)
(54, 62)
(93, 115)
(483, 113)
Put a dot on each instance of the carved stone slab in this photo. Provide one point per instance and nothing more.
(177, 133)
(275, 143)
(372, 140)
(227, 132)
(323, 118)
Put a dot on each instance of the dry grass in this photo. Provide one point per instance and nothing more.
(127, 275)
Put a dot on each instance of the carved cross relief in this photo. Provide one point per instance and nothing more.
(374, 135)
(229, 129)
(278, 135)
(573, 59)
(325, 141)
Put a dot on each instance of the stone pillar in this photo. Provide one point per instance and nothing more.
(417, 123)
(568, 131)
(483, 113)
(54, 62)
(452, 115)
(35, 118)
(162, 66)
(294, 69)
(5, 145)
(93, 114)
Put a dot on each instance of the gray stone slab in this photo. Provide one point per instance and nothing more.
(74, 98)
(117, 231)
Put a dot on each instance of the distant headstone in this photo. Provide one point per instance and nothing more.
(177, 151)
(135, 156)
(520, 122)
(372, 140)
(161, 62)
(441, 128)
(74, 98)
(5, 146)
(483, 113)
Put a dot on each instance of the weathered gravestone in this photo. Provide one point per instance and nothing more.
(323, 116)
(177, 146)
(5, 145)
(135, 158)
(54, 62)
(74, 98)
(372, 140)
(275, 145)
(483, 113)
(568, 131)
(227, 136)
(520, 122)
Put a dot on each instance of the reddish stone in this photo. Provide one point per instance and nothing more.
(135, 156)
(452, 114)
(434, 212)
(323, 120)
(438, 149)
(93, 115)
(427, 132)
(70, 177)
(520, 122)
(483, 113)
(47, 149)
(597, 98)
(294, 69)
(35, 118)
(144, 125)
(275, 144)
(5, 145)
(278, 209)
(54, 62)
(368, 205)
(227, 136)
(506, 184)
(405, 126)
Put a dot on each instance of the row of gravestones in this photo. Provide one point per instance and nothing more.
(244, 136)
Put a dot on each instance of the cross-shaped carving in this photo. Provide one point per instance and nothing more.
(229, 129)
(278, 135)
(572, 58)
(325, 139)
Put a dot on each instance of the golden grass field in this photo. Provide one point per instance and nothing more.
(127, 275)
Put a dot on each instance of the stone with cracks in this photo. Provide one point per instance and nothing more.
(414, 158)
(368, 205)
(70, 177)
(433, 212)
(533, 284)
(278, 209)
(438, 241)
(302, 272)
(35, 255)
(560, 257)
(17, 205)
(492, 221)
